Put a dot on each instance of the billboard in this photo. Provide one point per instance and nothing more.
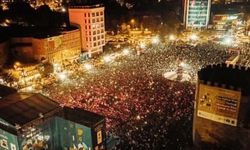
(218, 104)
(8, 141)
(197, 13)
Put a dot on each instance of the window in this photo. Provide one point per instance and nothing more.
(102, 31)
(94, 33)
(93, 20)
(93, 14)
(89, 14)
(98, 37)
(86, 27)
(89, 27)
(85, 15)
(98, 31)
(99, 43)
(86, 39)
(94, 43)
(101, 24)
(97, 20)
(89, 20)
(89, 33)
(101, 18)
(102, 36)
(85, 21)
(97, 13)
(101, 13)
(94, 38)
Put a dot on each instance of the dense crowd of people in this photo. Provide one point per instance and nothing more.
(142, 108)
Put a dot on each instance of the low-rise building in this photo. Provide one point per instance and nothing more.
(33, 121)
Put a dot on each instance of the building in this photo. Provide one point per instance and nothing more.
(228, 21)
(33, 45)
(60, 49)
(92, 25)
(222, 106)
(196, 13)
(235, 1)
(33, 121)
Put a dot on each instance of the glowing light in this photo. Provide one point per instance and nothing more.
(30, 88)
(142, 45)
(228, 41)
(155, 40)
(107, 59)
(62, 76)
(182, 64)
(88, 66)
(172, 37)
(138, 117)
(63, 9)
(125, 51)
(194, 37)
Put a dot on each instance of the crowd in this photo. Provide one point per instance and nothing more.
(142, 108)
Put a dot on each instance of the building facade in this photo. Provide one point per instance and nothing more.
(197, 13)
(92, 25)
(59, 49)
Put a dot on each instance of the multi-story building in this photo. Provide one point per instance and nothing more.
(91, 22)
(196, 13)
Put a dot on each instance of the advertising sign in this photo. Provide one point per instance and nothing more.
(218, 104)
(197, 13)
(8, 141)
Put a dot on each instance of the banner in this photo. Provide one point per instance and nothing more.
(218, 104)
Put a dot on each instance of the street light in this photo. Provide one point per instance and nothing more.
(228, 40)
(142, 45)
(132, 21)
(125, 51)
(63, 9)
(193, 37)
(172, 37)
(155, 40)
(107, 59)
(88, 66)
(62, 76)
